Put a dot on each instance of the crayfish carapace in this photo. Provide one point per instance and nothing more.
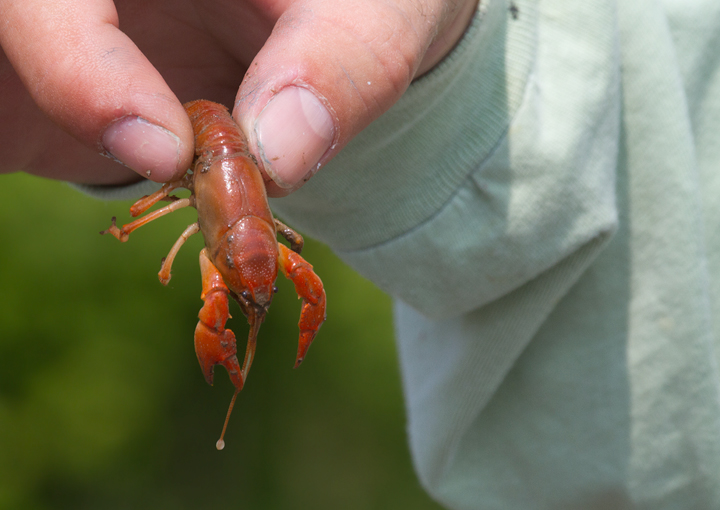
(242, 256)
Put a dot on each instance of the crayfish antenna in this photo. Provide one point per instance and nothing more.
(221, 442)
(256, 319)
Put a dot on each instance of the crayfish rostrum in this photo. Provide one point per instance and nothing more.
(242, 256)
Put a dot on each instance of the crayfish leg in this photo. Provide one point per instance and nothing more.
(122, 234)
(146, 202)
(163, 193)
(164, 274)
(296, 240)
(309, 287)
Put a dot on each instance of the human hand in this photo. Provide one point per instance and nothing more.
(82, 77)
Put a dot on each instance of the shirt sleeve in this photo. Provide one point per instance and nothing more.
(129, 192)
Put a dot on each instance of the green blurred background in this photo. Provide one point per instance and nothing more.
(102, 402)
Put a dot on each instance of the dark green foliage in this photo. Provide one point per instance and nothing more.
(102, 402)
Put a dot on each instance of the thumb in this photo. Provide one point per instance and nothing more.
(90, 79)
(329, 69)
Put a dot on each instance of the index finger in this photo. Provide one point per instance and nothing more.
(89, 78)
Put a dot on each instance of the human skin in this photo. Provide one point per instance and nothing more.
(80, 78)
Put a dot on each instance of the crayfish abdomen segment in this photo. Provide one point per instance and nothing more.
(215, 131)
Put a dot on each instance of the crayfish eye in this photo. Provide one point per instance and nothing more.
(275, 290)
(246, 295)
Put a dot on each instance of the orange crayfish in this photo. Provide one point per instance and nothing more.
(242, 256)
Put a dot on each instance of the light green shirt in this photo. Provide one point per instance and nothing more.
(545, 208)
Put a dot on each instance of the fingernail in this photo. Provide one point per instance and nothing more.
(150, 150)
(293, 131)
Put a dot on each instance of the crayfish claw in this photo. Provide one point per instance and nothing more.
(311, 318)
(215, 347)
(309, 287)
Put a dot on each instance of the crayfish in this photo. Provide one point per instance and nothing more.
(242, 255)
